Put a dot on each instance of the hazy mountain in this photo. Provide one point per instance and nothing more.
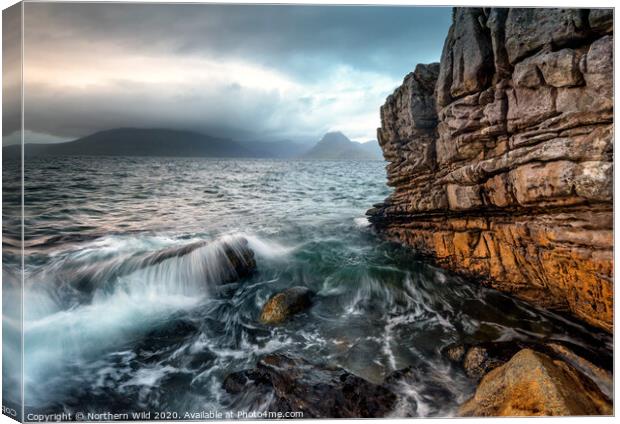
(373, 148)
(158, 142)
(284, 149)
(336, 146)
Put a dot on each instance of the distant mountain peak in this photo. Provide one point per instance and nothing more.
(334, 137)
(334, 145)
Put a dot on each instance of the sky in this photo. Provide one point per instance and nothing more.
(246, 72)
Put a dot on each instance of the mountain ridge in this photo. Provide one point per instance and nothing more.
(162, 142)
(336, 146)
(129, 141)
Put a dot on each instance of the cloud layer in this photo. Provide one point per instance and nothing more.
(246, 72)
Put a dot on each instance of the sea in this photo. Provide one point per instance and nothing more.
(100, 339)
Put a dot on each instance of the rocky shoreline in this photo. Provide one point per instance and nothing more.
(501, 157)
(515, 378)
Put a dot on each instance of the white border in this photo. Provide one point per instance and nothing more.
(496, 3)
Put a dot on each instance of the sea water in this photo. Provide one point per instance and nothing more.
(104, 337)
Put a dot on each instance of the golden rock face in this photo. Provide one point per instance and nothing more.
(533, 384)
(524, 256)
(502, 162)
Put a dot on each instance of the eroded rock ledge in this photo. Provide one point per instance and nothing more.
(502, 156)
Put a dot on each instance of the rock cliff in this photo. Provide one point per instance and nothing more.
(501, 156)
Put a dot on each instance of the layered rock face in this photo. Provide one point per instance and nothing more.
(502, 156)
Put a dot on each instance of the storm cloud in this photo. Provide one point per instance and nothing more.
(240, 71)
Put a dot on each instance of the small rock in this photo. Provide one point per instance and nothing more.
(531, 383)
(454, 352)
(481, 358)
(289, 302)
(478, 362)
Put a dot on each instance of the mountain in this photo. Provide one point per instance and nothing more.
(373, 148)
(284, 149)
(336, 146)
(161, 142)
(139, 142)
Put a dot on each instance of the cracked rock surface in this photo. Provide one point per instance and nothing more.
(501, 156)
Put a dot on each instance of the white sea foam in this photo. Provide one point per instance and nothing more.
(361, 222)
(268, 249)
(123, 307)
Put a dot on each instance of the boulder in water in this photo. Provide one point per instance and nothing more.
(239, 258)
(227, 261)
(284, 304)
(317, 391)
(532, 383)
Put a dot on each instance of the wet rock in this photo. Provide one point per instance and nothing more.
(478, 361)
(481, 358)
(317, 391)
(455, 352)
(289, 302)
(236, 383)
(512, 185)
(239, 259)
(531, 383)
(603, 378)
(221, 261)
(226, 261)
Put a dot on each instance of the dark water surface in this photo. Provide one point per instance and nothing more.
(161, 339)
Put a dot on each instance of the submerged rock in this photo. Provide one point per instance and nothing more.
(532, 383)
(317, 391)
(417, 386)
(502, 156)
(289, 302)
